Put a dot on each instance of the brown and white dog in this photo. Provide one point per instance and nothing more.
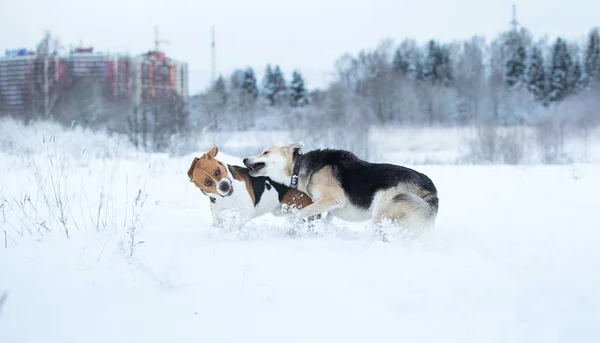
(232, 189)
(347, 187)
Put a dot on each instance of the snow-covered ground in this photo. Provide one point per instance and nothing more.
(514, 257)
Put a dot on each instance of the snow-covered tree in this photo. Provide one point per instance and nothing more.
(436, 67)
(536, 75)
(432, 63)
(46, 97)
(592, 58)
(249, 84)
(575, 77)
(469, 80)
(515, 66)
(236, 80)
(268, 85)
(242, 92)
(400, 63)
(220, 91)
(418, 65)
(514, 46)
(298, 94)
(273, 85)
(280, 89)
(559, 72)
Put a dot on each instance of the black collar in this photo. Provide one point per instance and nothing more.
(296, 159)
(213, 200)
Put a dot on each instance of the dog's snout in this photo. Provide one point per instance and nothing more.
(245, 161)
(224, 187)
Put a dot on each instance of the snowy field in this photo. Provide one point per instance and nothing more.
(103, 244)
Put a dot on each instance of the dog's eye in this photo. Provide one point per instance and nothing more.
(265, 153)
(218, 172)
(207, 183)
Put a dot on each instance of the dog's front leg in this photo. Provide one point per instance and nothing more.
(216, 217)
(280, 211)
(217, 222)
(325, 204)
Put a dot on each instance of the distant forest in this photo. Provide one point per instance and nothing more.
(513, 80)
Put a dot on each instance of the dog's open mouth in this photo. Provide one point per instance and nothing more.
(254, 167)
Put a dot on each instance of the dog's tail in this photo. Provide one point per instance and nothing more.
(419, 211)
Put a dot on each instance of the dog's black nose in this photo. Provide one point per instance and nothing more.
(224, 187)
(245, 161)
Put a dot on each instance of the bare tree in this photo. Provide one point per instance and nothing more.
(50, 78)
(470, 80)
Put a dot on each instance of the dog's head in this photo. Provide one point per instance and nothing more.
(276, 162)
(211, 175)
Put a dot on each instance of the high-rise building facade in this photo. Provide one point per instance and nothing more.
(27, 78)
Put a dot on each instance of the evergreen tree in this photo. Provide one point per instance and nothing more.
(220, 91)
(592, 58)
(280, 86)
(273, 85)
(237, 80)
(299, 97)
(268, 85)
(575, 77)
(560, 70)
(515, 65)
(536, 75)
(249, 84)
(429, 63)
(436, 68)
(399, 63)
(445, 67)
(418, 62)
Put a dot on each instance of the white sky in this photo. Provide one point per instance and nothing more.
(305, 34)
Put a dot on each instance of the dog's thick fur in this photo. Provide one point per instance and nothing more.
(349, 188)
(231, 188)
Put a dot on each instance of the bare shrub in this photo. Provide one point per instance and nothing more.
(130, 244)
(47, 195)
(550, 137)
(512, 147)
(498, 145)
(484, 147)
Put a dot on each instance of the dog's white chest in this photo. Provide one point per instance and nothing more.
(269, 201)
(239, 201)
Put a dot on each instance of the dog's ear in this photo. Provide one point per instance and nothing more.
(296, 145)
(213, 152)
(191, 170)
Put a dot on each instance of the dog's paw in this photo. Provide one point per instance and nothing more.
(301, 217)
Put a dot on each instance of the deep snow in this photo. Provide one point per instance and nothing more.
(514, 258)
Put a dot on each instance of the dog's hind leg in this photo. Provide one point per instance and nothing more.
(405, 209)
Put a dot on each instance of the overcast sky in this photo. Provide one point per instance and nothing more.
(305, 34)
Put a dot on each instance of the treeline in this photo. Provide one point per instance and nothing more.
(242, 102)
(513, 80)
